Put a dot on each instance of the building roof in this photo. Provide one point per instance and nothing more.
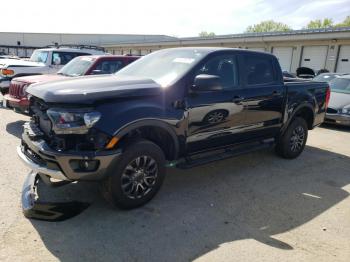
(303, 32)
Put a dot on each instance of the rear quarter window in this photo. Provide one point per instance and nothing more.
(258, 70)
(65, 57)
(109, 67)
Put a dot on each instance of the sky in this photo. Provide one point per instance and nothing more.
(179, 18)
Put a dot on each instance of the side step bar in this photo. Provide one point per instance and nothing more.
(190, 162)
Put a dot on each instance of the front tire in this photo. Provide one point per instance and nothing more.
(292, 143)
(138, 175)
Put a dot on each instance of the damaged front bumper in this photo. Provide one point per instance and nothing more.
(37, 155)
(48, 164)
(34, 208)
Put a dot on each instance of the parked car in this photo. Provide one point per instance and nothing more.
(305, 72)
(79, 66)
(338, 111)
(8, 57)
(327, 77)
(124, 129)
(42, 61)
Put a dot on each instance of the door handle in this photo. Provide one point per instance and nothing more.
(276, 93)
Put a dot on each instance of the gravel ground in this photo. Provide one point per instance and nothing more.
(255, 207)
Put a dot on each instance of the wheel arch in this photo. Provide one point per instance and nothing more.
(305, 111)
(159, 132)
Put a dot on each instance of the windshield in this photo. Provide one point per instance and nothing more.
(164, 66)
(324, 77)
(39, 56)
(77, 67)
(340, 85)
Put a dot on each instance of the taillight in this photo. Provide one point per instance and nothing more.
(7, 72)
(328, 96)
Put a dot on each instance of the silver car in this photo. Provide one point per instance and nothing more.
(338, 111)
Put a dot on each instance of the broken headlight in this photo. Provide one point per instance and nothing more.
(72, 121)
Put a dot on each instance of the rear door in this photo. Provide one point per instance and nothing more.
(262, 95)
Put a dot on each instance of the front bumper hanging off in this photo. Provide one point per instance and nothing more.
(34, 208)
(37, 155)
(46, 164)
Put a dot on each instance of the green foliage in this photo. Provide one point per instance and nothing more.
(206, 34)
(318, 23)
(268, 26)
(346, 22)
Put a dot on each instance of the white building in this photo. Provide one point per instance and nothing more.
(316, 48)
(23, 44)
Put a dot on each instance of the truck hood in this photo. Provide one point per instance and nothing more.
(18, 62)
(39, 78)
(88, 89)
(339, 100)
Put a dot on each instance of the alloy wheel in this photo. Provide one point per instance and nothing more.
(297, 139)
(139, 177)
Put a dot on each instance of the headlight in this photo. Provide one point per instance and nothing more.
(346, 110)
(23, 91)
(72, 121)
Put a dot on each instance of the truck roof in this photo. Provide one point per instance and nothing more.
(70, 49)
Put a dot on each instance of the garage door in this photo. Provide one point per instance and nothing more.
(343, 64)
(314, 57)
(285, 56)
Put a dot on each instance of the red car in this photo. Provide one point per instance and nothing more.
(79, 66)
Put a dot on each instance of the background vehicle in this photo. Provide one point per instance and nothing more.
(338, 111)
(79, 66)
(124, 129)
(8, 57)
(305, 72)
(327, 77)
(43, 61)
(288, 74)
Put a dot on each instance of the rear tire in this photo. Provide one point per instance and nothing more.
(138, 175)
(292, 143)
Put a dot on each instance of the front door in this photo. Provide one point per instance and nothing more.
(215, 117)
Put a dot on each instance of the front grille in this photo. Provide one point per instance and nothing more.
(331, 111)
(16, 89)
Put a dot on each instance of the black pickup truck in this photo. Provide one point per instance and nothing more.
(178, 107)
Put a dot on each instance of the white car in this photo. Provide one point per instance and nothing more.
(43, 61)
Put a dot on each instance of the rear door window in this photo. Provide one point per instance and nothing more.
(258, 70)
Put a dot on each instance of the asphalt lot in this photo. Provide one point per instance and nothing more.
(255, 207)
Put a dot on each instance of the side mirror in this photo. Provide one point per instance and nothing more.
(97, 72)
(205, 82)
(57, 61)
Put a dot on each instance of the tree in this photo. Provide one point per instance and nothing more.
(268, 26)
(318, 23)
(206, 34)
(346, 22)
